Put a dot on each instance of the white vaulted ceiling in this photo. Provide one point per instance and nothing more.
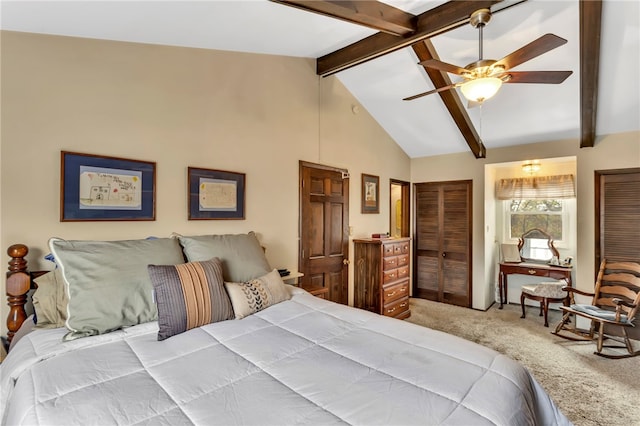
(518, 114)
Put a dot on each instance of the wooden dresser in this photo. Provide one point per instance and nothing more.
(381, 276)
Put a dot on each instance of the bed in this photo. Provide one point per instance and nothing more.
(298, 360)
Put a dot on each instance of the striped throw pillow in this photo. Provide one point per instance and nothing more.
(189, 295)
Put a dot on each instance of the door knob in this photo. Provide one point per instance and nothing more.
(345, 261)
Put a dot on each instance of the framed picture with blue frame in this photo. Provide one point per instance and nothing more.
(103, 188)
(216, 194)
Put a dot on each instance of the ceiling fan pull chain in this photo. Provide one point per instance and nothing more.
(480, 27)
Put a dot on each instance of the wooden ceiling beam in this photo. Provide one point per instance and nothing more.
(373, 14)
(435, 21)
(425, 50)
(590, 29)
(402, 30)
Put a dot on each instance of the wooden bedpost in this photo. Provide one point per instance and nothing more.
(18, 285)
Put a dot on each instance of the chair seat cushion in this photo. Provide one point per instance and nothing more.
(552, 290)
(594, 311)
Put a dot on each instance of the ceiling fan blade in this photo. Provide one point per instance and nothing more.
(536, 48)
(430, 92)
(542, 77)
(443, 66)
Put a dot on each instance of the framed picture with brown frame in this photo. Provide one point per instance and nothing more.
(216, 194)
(370, 193)
(102, 188)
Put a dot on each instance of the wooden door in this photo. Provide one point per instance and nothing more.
(324, 230)
(442, 255)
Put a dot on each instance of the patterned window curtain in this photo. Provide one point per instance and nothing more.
(536, 188)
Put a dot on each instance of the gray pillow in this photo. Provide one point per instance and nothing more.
(189, 295)
(241, 254)
(107, 281)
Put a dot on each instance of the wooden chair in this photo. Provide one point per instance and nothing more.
(614, 305)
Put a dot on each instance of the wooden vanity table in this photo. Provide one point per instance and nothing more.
(531, 269)
(536, 250)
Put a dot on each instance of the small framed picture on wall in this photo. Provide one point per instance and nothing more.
(216, 194)
(370, 193)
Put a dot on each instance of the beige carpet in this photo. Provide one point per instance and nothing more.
(588, 389)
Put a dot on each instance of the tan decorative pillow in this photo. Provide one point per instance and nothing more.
(50, 300)
(257, 294)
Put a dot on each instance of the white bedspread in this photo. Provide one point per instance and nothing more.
(304, 361)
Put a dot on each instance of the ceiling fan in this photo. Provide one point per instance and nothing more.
(482, 79)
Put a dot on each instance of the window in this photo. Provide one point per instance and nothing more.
(551, 216)
(544, 202)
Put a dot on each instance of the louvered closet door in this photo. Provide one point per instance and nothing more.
(443, 242)
(618, 222)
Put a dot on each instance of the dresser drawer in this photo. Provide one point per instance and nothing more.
(397, 248)
(535, 272)
(390, 276)
(390, 263)
(395, 292)
(403, 248)
(403, 259)
(396, 308)
(403, 272)
(387, 250)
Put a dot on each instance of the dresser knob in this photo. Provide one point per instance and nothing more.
(532, 271)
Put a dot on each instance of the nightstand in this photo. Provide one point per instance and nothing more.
(317, 291)
(292, 278)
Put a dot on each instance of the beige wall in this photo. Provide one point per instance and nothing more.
(179, 107)
(255, 114)
(610, 152)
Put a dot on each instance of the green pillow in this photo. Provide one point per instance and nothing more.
(242, 255)
(107, 281)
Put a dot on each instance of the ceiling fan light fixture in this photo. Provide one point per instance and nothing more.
(481, 89)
